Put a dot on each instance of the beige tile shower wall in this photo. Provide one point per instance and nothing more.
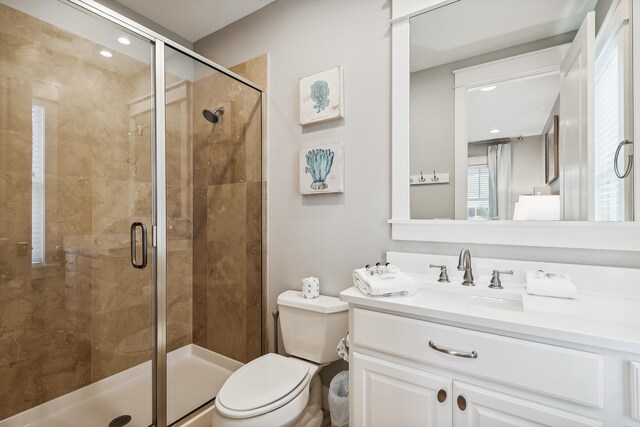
(179, 160)
(86, 313)
(227, 215)
(37, 317)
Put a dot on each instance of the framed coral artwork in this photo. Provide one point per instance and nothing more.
(322, 169)
(321, 97)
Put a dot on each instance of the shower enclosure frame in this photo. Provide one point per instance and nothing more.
(159, 196)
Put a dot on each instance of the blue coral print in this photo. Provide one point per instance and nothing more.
(320, 95)
(319, 162)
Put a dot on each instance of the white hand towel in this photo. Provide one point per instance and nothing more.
(392, 282)
(556, 285)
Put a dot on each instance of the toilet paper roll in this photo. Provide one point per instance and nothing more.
(310, 287)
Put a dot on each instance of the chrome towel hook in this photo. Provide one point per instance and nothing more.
(627, 170)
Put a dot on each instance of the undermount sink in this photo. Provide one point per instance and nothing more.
(473, 296)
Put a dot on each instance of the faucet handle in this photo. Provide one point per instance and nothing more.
(496, 283)
(444, 277)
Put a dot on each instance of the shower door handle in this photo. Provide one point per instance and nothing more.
(134, 245)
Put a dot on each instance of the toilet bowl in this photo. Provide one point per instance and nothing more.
(272, 390)
(275, 390)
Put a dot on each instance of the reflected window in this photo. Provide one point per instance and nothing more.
(612, 110)
(608, 188)
(478, 188)
(37, 184)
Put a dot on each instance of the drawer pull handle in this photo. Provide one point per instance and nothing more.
(472, 355)
(442, 395)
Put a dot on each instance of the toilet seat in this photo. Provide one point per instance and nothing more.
(263, 385)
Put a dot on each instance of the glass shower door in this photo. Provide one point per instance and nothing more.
(213, 155)
(75, 174)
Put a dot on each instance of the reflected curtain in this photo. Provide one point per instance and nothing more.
(499, 163)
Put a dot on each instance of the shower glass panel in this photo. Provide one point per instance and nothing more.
(75, 173)
(214, 229)
(83, 166)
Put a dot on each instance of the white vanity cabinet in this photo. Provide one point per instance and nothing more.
(389, 394)
(475, 406)
(404, 372)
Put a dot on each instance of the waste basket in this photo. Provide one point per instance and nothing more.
(339, 399)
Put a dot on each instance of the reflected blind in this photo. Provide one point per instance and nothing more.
(37, 185)
(478, 191)
(608, 115)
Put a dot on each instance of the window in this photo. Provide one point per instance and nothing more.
(37, 185)
(610, 105)
(607, 186)
(478, 188)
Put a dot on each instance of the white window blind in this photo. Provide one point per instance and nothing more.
(37, 185)
(478, 191)
(609, 121)
(613, 112)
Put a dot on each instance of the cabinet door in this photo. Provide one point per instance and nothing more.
(475, 406)
(388, 394)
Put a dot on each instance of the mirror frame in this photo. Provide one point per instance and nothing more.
(616, 236)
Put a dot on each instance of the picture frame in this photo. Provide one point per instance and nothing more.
(321, 97)
(322, 169)
(551, 144)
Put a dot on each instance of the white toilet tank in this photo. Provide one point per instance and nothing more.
(311, 328)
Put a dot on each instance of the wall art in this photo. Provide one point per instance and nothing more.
(321, 97)
(322, 169)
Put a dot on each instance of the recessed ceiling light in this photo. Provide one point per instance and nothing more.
(106, 53)
(124, 40)
(494, 131)
(487, 88)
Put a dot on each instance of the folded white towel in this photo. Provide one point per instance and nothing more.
(556, 285)
(388, 283)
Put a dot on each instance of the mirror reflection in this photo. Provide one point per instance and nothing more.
(522, 110)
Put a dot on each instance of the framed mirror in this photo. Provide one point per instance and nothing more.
(509, 113)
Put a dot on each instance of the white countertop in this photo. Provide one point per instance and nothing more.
(593, 319)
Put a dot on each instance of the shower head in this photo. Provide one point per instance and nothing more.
(213, 116)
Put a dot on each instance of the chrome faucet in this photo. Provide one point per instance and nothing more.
(464, 263)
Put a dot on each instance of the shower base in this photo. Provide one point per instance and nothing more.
(195, 375)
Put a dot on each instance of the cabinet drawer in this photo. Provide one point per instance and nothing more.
(569, 374)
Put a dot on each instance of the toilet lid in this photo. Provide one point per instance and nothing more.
(262, 382)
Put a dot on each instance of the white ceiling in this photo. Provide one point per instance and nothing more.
(194, 19)
(473, 27)
(516, 108)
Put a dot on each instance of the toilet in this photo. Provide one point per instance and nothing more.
(275, 390)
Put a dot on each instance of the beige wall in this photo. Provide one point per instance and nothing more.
(527, 166)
